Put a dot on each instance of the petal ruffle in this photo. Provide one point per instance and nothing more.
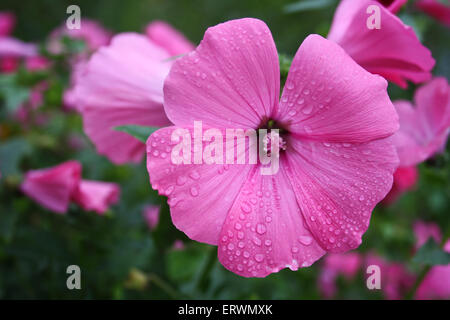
(232, 79)
(96, 195)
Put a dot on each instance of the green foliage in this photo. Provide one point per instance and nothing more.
(431, 254)
(139, 132)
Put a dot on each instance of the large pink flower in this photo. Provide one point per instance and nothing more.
(424, 128)
(122, 85)
(393, 51)
(335, 119)
(96, 196)
(436, 9)
(53, 187)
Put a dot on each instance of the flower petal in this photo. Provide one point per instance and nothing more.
(232, 79)
(383, 50)
(265, 231)
(199, 195)
(11, 47)
(328, 96)
(96, 195)
(338, 185)
(162, 34)
(424, 129)
(53, 187)
(122, 85)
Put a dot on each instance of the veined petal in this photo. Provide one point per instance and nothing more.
(232, 79)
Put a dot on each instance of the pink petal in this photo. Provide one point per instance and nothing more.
(93, 33)
(7, 22)
(199, 195)
(37, 63)
(383, 50)
(122, 85)
(96, 196)
(423, 231)
(424, 129)
(162, 34)
(436, 284)
(265, 230)
(151, 215)
(405, 178)
(11, 47)
(53, 187)
(338, 185)
(329, 97)
(393, 5)
(232, 79)
(435, 9)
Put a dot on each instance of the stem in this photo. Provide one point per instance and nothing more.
(410, 295)
(163, 285)
(207, 267)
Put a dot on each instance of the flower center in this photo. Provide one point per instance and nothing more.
(275, 135)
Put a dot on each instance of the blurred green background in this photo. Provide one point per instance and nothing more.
(119, 256)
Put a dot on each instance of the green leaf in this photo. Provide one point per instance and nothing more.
(11, 152)
(307, 5)
(12, 93)
(139, 132)
(431, 254)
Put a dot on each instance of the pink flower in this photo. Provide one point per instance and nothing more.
(96, 196)
(424, 128)
(424, 231)
(335, 119)
(53, 187)
(151, 216)
(392, 51)
(37, 63)
(436, 284)
(435, 9)
(405, 179)
(393, 5)
(128, 93)
(396, 280)
(7, 23)
(347, 264)
(11, 47)
(94, 35)
(178, 245)
(164, 36)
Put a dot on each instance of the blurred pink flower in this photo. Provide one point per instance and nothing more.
(435, 9)
(163, 35)
(405, 179)
(151, 216)
(11, 47)
(393, 51)
(424, 128)
(424, 231)
(92, 32)
(122, 85)
(53, 187)
(337, 165)
(396, 280)
(347, 264)
(178, 245)
(7, 23)
(36, 63)
(96, 196)
(436, 284)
